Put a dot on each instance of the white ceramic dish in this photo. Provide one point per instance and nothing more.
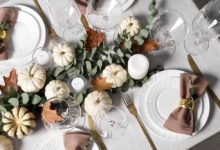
(159, 97)
(27, 34)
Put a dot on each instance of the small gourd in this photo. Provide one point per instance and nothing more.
(63, 54)
(97, 103)
(115, 74)
(5, 143)
(56, 88)
(32, 79)
(19, 122)
(130, 25)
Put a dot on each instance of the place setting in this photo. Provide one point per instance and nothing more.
(69, 85)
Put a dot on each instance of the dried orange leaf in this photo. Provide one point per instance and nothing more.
(94, 38)
(148, 46)
(100, 84)
(50, 116)
(10, 83)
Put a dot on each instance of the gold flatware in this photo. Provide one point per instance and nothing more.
(130, 105)
(197, 71)
(95, 134)
(84, 21)
(50, 30)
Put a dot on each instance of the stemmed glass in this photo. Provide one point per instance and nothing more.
(112, 124)
(169, 29)
(205, 27)
(65, 14)
(104, 15)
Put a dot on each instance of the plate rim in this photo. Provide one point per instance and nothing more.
(33, 13)
(147, 119)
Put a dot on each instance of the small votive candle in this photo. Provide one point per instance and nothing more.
(41, 56)
(138, 66)
(78, 84)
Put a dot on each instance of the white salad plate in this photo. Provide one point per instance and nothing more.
(126, 4)
(28, 33)
(55, 142)
(160, 96)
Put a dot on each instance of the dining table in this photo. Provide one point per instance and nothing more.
(134, 139)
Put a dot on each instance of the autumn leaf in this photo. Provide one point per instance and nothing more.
(10, 83)
(94, 38)
(50, 116)
(147, 47)
(100, 84)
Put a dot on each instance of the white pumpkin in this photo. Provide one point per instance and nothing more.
(116, 75)
(63, 54)
(5, 143)
(56, 88)
(130, 25)
(32, 79)
(97, 103)
(19, 122)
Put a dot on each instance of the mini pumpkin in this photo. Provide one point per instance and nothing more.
(56, 88)
(97, 103)
(115, 74)
(32, 79)
(130, 25)
(5, 143)
(19, 122)
(63, 54)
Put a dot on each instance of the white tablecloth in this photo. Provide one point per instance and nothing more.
(134, 138)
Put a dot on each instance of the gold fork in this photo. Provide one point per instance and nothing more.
(130, 105)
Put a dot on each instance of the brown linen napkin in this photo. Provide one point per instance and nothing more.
(181, 120)
(75, 140)
(9, 16)
(82, 4)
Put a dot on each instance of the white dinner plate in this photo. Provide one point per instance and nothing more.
(159, 97)
(27, 34)
(56, 142)
(126, 4)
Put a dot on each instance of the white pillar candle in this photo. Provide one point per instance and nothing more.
(78, 84)
(138, 66)
(42, 57)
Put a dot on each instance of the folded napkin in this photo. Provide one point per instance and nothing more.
(76, 140)
(82, 4)
(8, 16)
(182, 120)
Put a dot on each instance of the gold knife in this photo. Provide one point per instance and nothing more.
(196, 70)
(95, 134)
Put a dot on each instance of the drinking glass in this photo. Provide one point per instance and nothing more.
(169, 29)
(65, 14)
(68, 109)
(104, 15)
(205, 27)
(113, 124)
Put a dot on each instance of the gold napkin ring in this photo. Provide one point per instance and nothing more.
(3, 34)
(187, 103)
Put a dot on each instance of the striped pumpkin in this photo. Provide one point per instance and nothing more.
(19, 122)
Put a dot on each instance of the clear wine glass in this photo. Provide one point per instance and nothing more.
(65, 14)
(68, 109)
(205, 27)
(113, 124)
(104, 15)
(169, 29)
